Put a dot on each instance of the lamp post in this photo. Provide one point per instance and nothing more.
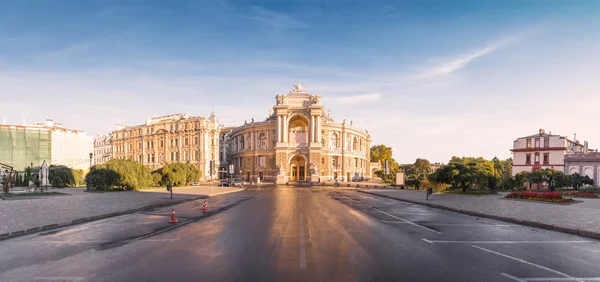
(91, 156)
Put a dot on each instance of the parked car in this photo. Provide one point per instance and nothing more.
(237, 182)
(224, 183)
(195, 183)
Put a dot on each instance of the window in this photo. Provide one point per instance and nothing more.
(242, 143)
(162, 143)
(355, 145)
(196, 140)
(546, 142)
(322, 142)
(186, 125)
(333, 142)
(546, 158)
(537, 142)
(176, 142)
(355, 162)
(263, 140)
(196, 124)
(322, 160)
(528, 143)
(185, 141)
(537, 158)
(528, 159)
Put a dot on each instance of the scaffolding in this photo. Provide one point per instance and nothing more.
(23, 147)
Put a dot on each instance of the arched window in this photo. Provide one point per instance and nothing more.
(355, 145)
(333, 142)
(242, 143)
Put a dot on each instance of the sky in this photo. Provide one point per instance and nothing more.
(431, 79)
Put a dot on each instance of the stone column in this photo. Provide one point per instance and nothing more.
(312, 133)
(595, 175)
(285, 128)
(278, 128)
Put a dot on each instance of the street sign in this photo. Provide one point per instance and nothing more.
(400, 178)
(230, 169)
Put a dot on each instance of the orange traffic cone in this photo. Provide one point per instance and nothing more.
(205, 206)
(173, 219)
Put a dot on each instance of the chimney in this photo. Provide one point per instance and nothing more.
(541, 131)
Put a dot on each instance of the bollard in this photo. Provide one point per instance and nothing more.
(429, 192)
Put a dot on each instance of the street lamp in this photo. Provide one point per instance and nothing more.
(91, 155)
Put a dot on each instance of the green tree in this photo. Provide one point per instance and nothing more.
(381, 153)
(553, 177)
(132, 175)
(77, 176)
(177, 174)
(60, 176)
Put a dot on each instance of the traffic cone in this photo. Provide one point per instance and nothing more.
(205, 206)
(173, 219)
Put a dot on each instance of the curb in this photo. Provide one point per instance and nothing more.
(578, 231)
(92, 218)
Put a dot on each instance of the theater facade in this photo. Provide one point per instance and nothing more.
(298, 142)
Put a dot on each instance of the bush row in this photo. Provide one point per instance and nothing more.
(554, 197)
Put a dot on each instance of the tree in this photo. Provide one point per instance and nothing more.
(130, 174)
(60, 176)
(381, 153)
(553, 177)
(77, 176)
(521, 178)
(177, 174)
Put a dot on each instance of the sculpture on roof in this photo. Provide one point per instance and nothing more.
(297, 88)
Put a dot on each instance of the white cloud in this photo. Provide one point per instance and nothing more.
(274, 18)
(356, 99)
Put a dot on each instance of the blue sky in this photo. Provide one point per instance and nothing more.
(432, 79)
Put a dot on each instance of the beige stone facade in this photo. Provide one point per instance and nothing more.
(102, 149)
(172, 138)
(299, 141)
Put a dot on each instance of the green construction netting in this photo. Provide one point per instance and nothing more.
(20, 147)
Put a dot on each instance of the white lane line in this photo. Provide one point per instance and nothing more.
(399, 218)
(409, 222)
(473, 225)
(511, 242)
(393, 221)
(524, 261)
(301, 244)
(512, 277)
(427, 241)
(59, 278)
(562, 279)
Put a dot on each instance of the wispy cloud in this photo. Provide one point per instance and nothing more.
(449, 66)
(356, 99)
(274, 18)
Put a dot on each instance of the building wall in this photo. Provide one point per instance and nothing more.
(102, 149)
(536, 147)
(299, 141)
(584, 164)
(173, 138)
(71, 148)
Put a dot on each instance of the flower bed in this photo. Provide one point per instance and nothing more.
(553, 197)
(583, 195)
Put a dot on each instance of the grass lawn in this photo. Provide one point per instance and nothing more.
(34, 194)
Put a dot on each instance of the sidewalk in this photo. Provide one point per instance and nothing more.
(581, 218)
(24, 216)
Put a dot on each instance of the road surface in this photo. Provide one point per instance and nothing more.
(299, 234)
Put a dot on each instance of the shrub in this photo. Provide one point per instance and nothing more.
(583, 195)
(537, 196)
(126, 174)
(60, 176)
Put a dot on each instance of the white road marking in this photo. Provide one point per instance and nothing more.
(409, 222)
(301, 244)
(524, 261)
(399, 218)
(427, 241)
(512, 277)
(451, 224)
(59, 278)
(511, 242)
(557, 278)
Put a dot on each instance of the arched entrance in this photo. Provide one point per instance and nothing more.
(298, 168)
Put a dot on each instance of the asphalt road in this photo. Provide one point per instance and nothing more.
(300, 234)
